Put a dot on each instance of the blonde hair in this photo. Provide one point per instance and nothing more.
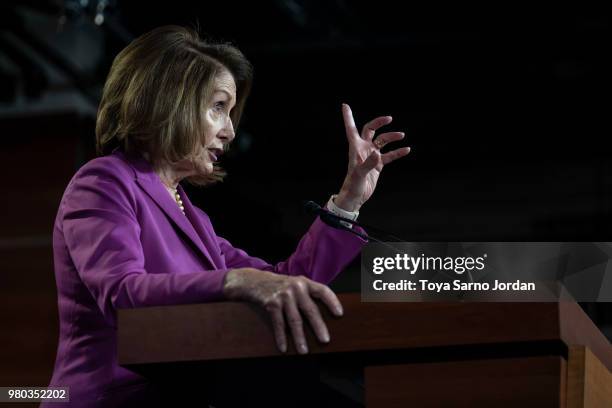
(156, 91)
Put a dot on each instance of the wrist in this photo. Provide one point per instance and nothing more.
(346, 203)
(233, 281)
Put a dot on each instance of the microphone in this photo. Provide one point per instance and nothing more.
(334, 221)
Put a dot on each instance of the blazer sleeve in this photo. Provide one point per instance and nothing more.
(322, 253)
(102, 235)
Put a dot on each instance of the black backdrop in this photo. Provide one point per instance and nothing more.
(506, 110)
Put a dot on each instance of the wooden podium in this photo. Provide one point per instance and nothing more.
(409, 354)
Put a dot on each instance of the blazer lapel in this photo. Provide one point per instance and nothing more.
(152, 185)
(162, 198)
(204, 230)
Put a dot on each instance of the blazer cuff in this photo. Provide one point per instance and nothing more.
(210, 285)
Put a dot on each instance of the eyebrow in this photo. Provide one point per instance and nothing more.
(231, 97)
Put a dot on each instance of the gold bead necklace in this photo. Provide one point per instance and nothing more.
(177, 198)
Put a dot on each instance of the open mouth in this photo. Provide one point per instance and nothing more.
(215, 154)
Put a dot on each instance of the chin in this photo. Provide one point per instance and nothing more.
(202, 165)
(205, 168)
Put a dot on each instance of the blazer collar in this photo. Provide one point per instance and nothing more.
(150, 182)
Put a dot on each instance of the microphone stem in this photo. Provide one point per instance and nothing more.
(367, 237)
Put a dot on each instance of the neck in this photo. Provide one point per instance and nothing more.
(169, 175)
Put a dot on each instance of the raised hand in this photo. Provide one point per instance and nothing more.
(365, 159)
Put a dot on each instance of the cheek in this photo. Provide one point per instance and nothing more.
(212, 126)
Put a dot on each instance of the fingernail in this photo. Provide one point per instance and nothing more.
(339, 311)
(325, 337)
(303, 349)
(283, 348)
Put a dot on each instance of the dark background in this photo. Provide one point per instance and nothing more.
(506, 111)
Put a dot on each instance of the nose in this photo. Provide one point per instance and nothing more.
(227, 134)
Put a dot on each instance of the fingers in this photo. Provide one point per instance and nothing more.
(386, 138)
(349, 122)
(395, 154)
(278, 326)
(302, 302)
(295, 300)
(327, 296)
(372, 126)
(287, 299)
(296, 325)
(313, 314)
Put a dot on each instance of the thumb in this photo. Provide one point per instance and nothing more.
(370, 163)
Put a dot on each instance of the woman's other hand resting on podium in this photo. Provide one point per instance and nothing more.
(286, 299)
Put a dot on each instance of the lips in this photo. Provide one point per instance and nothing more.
(215, 154)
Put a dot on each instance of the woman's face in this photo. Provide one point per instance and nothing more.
(218, 127)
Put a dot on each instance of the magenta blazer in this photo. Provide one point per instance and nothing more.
(121, 241)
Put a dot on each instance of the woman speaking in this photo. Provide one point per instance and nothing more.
(126, 234)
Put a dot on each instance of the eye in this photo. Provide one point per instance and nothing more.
(220, 105)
